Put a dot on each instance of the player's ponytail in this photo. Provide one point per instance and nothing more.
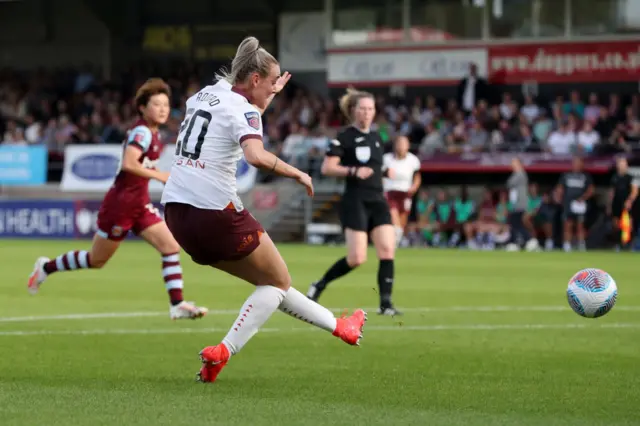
(349, 100)
(249, 58)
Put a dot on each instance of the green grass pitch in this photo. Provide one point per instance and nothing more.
(487, 339)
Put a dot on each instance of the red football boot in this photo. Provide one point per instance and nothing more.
(213, 358)
(349, 329)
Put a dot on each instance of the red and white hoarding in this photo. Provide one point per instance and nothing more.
(565, 62)
(513, 63)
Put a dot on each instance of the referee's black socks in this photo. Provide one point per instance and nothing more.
(337, 270)
(385, 282)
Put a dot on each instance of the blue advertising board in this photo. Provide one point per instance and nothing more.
(65, 219)
(36, 219)
(23, 165)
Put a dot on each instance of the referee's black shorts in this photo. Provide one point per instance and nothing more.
(364, 215)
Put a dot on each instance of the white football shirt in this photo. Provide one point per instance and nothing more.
(404, 169)
(203, 174)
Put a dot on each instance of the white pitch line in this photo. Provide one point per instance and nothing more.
(338, 310)
(461, 327)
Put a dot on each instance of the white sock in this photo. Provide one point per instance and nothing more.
(300, 307)
(399, 234)
(262, 303)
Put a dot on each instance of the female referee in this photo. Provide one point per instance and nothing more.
(356, 154)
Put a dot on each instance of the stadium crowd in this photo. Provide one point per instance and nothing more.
(65, 107)
(77, 107)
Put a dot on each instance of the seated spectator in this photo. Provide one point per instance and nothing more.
(294, 143)
(384, 128)
(606, 124)
(561, 141)
(542, 127)
(478, 139)
(539, 216)
(422, 233)
(33, 131)
(115, 131)
(508, 108)
(445, 219)
(10, 132)
(464, 209)
(615, 107)
(503, 208)
(486, 230)
(633, 132)
(574, 106)
(592, 110)
(587, 138)
(457, 137)
(530, 109)
(432, 142)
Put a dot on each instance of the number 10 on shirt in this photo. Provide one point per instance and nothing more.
(191, 137)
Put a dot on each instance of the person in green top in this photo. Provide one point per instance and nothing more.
(444, 215)
(503, 208)
(464, 208)
(539, 216)
(534, 201)
(426, 224)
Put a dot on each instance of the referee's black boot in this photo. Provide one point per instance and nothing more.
(315, 290)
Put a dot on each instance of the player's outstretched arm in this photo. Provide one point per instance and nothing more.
(258, 157)
(131, 164)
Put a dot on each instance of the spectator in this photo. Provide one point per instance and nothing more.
(592, 110)
(464, 209)
(18, 137)
(432, 142)
(457, 136)
(556, 107)
(606, 123)
(10, 132)
(633, 132)
(444, 216)
(615, 107)
(33, 131)
(478, 138)
(542, 127)
(587, 138)
(114, 132)
(508, 108)
(471, 89)
(561, 141)
(530, 109)
(574, 106)
(294, 143)
(384, 128)
(484, 227)
(426, 219)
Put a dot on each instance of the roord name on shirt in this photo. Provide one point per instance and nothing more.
(208, 148)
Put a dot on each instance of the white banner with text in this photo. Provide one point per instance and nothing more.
(410, 67)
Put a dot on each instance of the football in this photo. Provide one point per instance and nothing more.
(592, 293)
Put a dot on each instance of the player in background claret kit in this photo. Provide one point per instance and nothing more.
(127, 207)
(406, 182)
(206, 215)
(356, 154)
